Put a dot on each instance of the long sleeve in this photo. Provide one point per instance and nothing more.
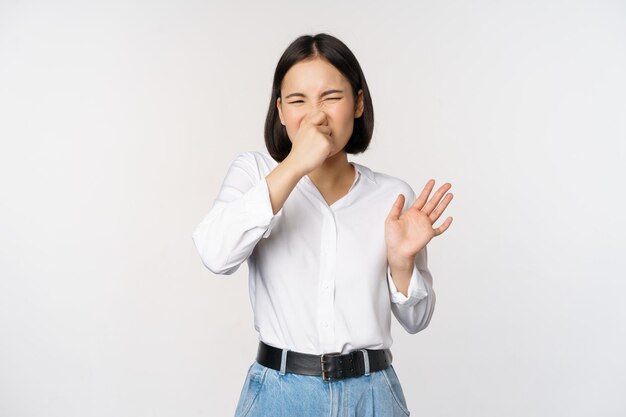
(240, 217)
(414, 312)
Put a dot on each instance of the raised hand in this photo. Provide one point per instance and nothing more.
(407, 233)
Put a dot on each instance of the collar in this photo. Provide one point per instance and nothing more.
(364, 171)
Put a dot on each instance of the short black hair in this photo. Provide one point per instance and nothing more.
(335, 52)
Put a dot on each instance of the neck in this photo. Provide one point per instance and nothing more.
(333, 171)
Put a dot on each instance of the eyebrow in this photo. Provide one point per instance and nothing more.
(325, 93)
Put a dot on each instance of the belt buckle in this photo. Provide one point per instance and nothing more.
(325, 376)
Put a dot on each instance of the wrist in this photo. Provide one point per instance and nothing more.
(401, 277)
(289, 166)
(401, 263)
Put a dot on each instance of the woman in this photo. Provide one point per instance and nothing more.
(332, 246)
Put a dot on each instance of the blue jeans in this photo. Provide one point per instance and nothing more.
(267, 393)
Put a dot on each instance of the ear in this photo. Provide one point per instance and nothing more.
(359, 106)
(280, 111)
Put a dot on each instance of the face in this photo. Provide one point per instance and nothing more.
(315, 85)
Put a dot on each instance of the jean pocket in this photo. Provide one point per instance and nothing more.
(251, 387)
(396, 388)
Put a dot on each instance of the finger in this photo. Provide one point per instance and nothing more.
(324, 129)
(421, 199)
(443, 227)
(440, 208)
(396, 209)
(436, 198)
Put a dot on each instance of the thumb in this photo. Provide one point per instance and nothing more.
(396, 209)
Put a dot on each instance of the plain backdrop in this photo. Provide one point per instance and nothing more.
(118, 120)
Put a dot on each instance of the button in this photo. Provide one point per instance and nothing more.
(326, 286)
(324, 324)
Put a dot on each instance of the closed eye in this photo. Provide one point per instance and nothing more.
(329, 98)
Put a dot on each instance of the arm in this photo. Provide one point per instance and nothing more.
(408, 229)
(245, 211)
(415, 311)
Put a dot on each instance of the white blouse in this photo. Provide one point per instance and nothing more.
(318, 280)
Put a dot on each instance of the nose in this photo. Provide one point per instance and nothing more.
(320, 115)
(316, 105)
(315, 115)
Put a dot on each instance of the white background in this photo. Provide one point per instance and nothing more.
(118, 120)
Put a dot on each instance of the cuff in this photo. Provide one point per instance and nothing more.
(417, 289)
(258, 207)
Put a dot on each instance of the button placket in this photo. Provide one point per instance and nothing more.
(326, 289)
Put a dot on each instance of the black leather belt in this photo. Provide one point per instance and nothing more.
(331, 366)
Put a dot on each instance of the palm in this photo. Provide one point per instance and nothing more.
(407, 233)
